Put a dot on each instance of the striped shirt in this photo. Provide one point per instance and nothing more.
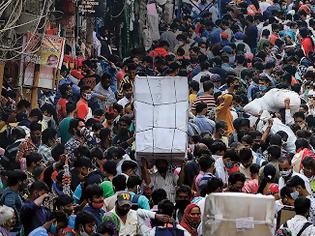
(207, 99)
(126, 80)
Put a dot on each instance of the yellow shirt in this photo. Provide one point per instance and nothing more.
(192, 98)
(223, 112)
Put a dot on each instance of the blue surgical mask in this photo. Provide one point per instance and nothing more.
(262, 87)
(53, 228)
(294, 195)
(229, 165)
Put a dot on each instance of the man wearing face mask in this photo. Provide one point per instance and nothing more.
(103, 92)
(299, 225)
(297, 189)
(80, 136)
(33, 214)
(49, 137)
(85, 224)
(287, 172)
(128, 95)
(227, 162)
(133, 222)
(182, 200)
(83, 110)
(163, 178)
(30, 145)
(64, 204)
(48, 116)
(57, 221)
(94, 197)
(138, 200)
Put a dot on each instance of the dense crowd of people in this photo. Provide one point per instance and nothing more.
(69, 166)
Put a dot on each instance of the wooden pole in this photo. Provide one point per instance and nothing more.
(34, 99)
(1, 76)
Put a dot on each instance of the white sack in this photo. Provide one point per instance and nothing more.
(223, 215)
(273, 100)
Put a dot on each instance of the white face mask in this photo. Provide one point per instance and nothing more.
(87, 96)
(294, 195)
(285, 173)
(204, 51)
(46, 118)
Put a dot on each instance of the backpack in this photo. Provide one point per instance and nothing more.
(134, 202)
(284, 231)
(172, 231)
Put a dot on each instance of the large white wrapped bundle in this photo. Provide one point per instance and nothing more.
(273, 100)
(223, 215)
(161, 105)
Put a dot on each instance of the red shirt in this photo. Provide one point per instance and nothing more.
(82, 109)
(61, 108)
(307, 45)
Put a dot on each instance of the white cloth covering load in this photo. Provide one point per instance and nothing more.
(272, 101)
(161, 105)
(223, 215)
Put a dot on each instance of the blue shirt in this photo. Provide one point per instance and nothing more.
(143, 201)
(252, 90)
(97, 213)
(33, 216)
(204, 124)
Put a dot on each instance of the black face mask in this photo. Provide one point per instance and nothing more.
(182, 204)
(121, 211)
(256, 146)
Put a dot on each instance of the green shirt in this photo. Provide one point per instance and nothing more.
(107, 187)
(64, 129)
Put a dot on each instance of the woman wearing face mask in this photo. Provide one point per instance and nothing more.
(191, 219)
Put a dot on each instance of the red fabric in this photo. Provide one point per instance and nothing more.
(305, 8)
(82, 109)
(198, 27)
(250, 186)
(187, 220)
(294, 81)
(224, 35)
(273, 38)
(307, 45)
(120, 75)
(306, 152)
(158, 52)
(54, 175)
(77, 74)
(274, 188)
(61, 108)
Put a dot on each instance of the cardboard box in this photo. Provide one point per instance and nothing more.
(238, 214)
